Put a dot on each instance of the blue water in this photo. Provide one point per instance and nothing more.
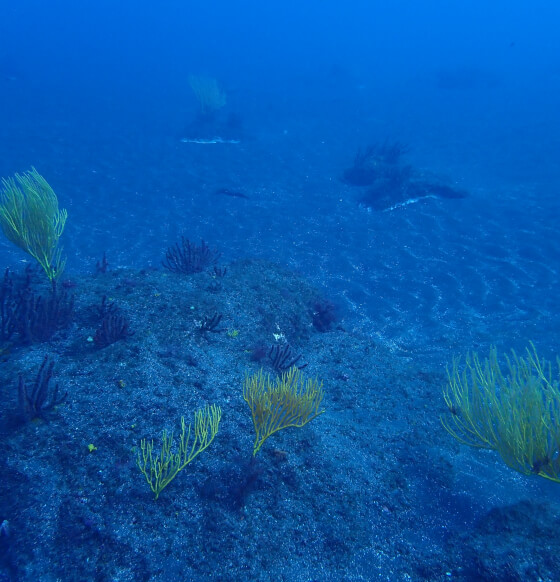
(96, 96)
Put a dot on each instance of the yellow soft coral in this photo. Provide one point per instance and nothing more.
(288, 401)
(30, 218)
(516, 413)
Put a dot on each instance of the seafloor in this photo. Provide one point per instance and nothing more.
(374, 488)
(369, 490)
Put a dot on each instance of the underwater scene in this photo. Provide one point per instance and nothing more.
(279, 294)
